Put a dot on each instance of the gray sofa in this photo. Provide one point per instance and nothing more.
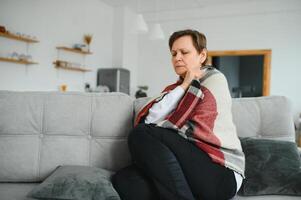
(41, 130)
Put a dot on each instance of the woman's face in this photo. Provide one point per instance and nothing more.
(185, 56)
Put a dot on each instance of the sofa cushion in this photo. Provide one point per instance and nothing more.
(16, 191)
(36, 127)
(264, 117)
(272, 167)
(78, 183)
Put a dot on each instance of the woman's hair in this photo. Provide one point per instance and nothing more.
(198, 39)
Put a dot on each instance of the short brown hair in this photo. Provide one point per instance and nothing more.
(198, 39)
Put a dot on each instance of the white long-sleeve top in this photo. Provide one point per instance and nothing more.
(162, 108)
(169, 103)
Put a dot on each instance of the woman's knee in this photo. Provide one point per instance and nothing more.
(137, 135)
(141, 142)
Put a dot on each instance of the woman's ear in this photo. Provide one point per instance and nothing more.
(203, 56)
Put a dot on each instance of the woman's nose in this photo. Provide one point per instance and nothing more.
(178, 56)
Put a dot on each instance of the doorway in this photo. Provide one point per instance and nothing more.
(247, 71)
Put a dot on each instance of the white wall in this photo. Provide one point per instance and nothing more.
(130, 49)
(125, 44)
(269, 24)
(54, 23)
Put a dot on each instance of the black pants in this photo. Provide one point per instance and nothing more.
(167, 166)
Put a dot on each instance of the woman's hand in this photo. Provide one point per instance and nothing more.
(191, 74)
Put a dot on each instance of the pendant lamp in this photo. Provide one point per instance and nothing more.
(140, 26)
(156, 32)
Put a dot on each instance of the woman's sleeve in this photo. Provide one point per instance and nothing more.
(179, 117)
(161, 109)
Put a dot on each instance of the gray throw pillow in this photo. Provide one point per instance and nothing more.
(76, 183)
(272, 168)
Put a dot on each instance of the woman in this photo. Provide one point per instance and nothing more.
(184, 144)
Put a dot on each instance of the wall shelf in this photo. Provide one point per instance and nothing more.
(73, 50)
(17, 37)
(27, 40)
(26, 62)
(65, 66)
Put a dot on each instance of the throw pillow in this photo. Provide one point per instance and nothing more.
(272, 168)
(76, 183)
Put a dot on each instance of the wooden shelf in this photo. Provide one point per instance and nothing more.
(81, 69)
(17, 37)
(25, 62)
(73, 50)
(73, 68)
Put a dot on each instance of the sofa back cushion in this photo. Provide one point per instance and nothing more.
(42, 130)
(267, 117)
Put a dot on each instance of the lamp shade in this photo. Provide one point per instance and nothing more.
(140, 26)
(156, 33)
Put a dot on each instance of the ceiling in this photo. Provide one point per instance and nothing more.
(145, 6)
